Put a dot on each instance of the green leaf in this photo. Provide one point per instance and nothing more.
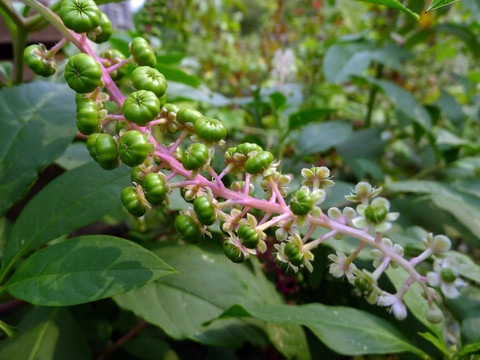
(440, 345)
(395, 5)
(170, 58)
(207, 283)
(450, 107)
(435, 4)
(469, 349)
(463, 33)
(6, 69)
(316, 138)
(461, 200)
(345, 330)
(46, 334)
(466, 266)
(174, 74)
(360, 158)
(471, 326)
(37, 126)
(75, 156)
(413, 299)
(301, 118)
(404, 102)
(342, 61)
(84, 269)
(72, 200)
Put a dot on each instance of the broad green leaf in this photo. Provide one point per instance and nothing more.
(404, 102)
(466, 266)
(464, 206)
(6, 70)
(342, 61)
(5, 229)
(363, 159)
(46, 334)
(469, 349)
(435, 4)
(84, 269)
(395, 5)
(75, 156)
(170, 58)
(38, 123)
(345, 330)
(316, 138)
(463, 33)
(207, 283)
(452, 110)
(471, 326)
(174, 74)
(69, 202)
(440, 345)
(303, 117)
(416, 303)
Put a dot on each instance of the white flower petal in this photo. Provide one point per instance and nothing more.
(433, 278)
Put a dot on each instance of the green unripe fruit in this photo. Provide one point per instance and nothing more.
(210, 129)
(362, 285)
(148, 78)
(233, 253)
(34, 58)
(92, 139)
(141, 107)
(80, 15)
(137, 176)
(448, 275)
(83, 73)
(103, 32)
(186, 115)
(131, 200)
(154, 189)
(107, 152)
(301, 203)
(247, 148)
(259, 162)
(142, 53)
(204, 210)
(248, 236)
(376, 214)
(195, 156)
(87, 116)
(115, 57)
(293, 253)
(187, 228)
(134, 148)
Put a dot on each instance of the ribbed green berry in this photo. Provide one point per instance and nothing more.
(132, 201)
(233, 253)
(133, 148)
(154, 189)
(259, 162)
(293, 253)
(248, 236)
(301, 203)
(195, 156)
(187, 228)
(204, 210)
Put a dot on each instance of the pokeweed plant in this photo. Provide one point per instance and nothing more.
(243, 219)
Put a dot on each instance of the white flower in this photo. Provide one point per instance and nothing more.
(375, 217)
(378, 255)
(397, 307)
(338, 268)
(318, 177)
(445, 275)
(363, 193)
(437, 244)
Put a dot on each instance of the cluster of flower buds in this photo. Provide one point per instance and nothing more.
(291, 217)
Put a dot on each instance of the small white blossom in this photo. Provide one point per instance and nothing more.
(363, 193)
(375, 217)
(445, 274)
(397, 307)
(338, 268)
